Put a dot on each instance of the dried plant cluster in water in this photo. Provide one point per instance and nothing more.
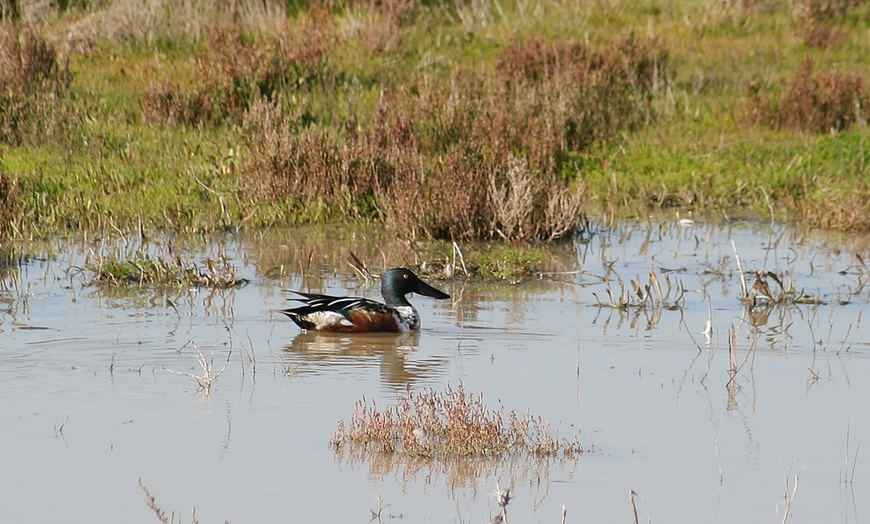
(448, 426)
(649, 295)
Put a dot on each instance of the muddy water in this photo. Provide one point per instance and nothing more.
(95, 400)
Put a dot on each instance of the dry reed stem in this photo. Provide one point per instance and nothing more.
(732, 351)
(631, 497)
(740, 270)
(849, 474)
(207, 379)
(151, 501)
(788, 497)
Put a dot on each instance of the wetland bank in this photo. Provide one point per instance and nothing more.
(167, 169)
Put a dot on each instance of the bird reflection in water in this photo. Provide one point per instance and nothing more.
(359, 349)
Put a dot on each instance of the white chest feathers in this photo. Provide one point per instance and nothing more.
(407, 318)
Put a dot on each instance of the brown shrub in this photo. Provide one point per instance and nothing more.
(606, 90)
(471, 188)
(819, 103)
(397, 12)
(308, 165)
(816, 21)
(226, 84)
(468, 156)
(32, 81)
(456, 150)
(234, 73)
(537, 59)
(445, 200)
(615, 94)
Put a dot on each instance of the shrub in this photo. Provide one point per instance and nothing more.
(234, 73)
(33, 79)
(309, 165)
(536, 60)
(469, 155)
(819, 103)
(816, 20)
(607, 90)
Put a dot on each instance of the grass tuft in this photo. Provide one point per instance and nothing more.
(13, 204)
(146, 270)
(501, 262)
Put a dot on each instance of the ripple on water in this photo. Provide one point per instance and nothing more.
(99, 393)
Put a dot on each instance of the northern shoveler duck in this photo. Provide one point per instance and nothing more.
(355, 314)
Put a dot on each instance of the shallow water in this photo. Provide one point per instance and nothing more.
(93, 404)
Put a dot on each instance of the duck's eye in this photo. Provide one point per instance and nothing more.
(406, 276)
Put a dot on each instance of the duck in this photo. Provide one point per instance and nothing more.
(358, 315)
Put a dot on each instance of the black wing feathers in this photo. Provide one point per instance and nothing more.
(314, 303)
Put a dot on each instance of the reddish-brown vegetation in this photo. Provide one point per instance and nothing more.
(236, 72)
(813, 102)
(32, 78)
(816, 21)
(469, 155)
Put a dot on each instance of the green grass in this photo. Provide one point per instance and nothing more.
(502, 262)
(110, 166)
(753, 170)
(127, 174)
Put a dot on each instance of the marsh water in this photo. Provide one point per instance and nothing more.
(692, 405)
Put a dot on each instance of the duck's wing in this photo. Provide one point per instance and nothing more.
(346, 314)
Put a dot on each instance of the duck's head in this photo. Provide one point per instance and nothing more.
(398, 282)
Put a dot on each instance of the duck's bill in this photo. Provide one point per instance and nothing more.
(425, 289)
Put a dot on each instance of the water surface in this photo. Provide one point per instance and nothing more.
(92, 409)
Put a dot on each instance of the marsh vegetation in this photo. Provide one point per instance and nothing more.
(507, 142)
(460, 120)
